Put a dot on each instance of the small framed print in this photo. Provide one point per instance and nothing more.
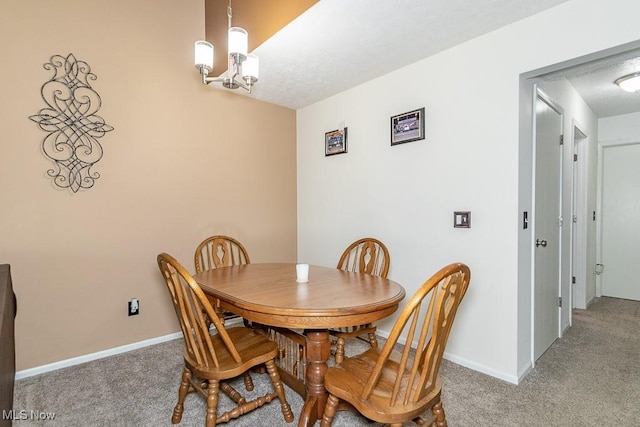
(335, 142)
(407, 127)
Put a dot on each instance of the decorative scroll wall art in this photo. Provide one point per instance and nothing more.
(71, 122)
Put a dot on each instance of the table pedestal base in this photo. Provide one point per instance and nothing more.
(318, 352)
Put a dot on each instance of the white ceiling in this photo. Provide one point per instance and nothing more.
(594, 81)
(339, 44)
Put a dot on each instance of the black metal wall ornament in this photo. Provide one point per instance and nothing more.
(71, 122)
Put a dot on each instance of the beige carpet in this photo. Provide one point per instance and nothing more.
(591, 377)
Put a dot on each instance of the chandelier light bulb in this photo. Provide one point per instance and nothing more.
(250, 67)
(238, 41)
(204, 55)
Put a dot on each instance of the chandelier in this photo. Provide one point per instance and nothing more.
(242, 68)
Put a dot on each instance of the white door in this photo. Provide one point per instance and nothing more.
(546, 237)
(579, 220)
(621, 221)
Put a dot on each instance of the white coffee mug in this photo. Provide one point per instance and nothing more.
(302, 273)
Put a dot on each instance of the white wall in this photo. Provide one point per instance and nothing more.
(470, 160)
(619, 129)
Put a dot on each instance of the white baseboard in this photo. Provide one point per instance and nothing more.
(481, 368)
(524, 371)
(94, 356)
(469, 364)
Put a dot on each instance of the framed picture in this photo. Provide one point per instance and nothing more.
(335, 142)
(407, 127)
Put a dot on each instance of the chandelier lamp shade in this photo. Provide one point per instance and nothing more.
(630, 83)
(242, 68)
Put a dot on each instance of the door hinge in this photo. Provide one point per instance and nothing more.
(573, 280)
(575, 157)
(561, 139)
(559, 301)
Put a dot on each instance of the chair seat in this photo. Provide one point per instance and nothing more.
(347, 381)
(254, 349)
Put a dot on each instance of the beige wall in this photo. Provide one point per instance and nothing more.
(184, 161)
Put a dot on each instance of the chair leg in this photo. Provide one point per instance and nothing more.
(340, 350)
(182, 393)
(329, 411)
(373, 340)
(231, 393)
(248, 382)
(212, 403)
(438, 413)
(279, 389)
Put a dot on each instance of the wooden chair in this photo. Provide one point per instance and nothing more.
(392, 387)
(209, 360)
(369, 256)
(220, 251)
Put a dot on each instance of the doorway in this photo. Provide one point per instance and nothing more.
(554, 79)
(547, 223)
(620, 241)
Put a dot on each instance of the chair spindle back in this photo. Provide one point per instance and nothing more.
(191, 304)
(219, 251)
(415, 375)
(367, 255)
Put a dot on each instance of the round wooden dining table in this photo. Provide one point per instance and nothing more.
(268, 294)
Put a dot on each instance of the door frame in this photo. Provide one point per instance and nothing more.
(528, 79)
(578, 232)
(599, 184)
(538, 93)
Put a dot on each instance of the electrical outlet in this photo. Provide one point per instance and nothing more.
(134, 307)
